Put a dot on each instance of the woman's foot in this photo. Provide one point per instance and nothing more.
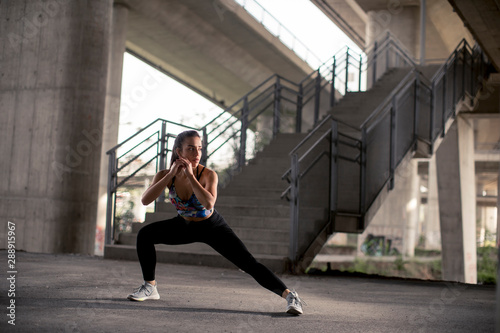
(294, 305)
(144, 292)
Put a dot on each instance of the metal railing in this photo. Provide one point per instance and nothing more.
(362, 160)
(276, 105)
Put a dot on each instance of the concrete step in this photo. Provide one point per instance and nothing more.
(248, 209)
(250, 233)
(254, 246)
(267, 223)
(175, 255)
(253, 191)
(257, 200)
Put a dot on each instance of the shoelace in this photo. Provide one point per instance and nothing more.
(138, 290)
(297, 300)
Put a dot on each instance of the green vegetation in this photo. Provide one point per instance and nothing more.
(487, 262)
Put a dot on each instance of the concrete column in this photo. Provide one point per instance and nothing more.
(402, 22)
(412, 208)
(457, 202)
(432, 231)
(497, 324)
(112, 112)
(397, 218)
(53, 69)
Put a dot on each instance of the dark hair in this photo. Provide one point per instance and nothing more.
(179, 140)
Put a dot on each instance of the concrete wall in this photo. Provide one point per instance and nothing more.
(53, 69)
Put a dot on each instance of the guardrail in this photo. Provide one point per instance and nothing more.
(414, 111)
(276, 105)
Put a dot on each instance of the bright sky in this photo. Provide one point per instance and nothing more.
(148, 94)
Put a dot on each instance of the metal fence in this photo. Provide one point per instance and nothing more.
(276, 105)
(362, 161)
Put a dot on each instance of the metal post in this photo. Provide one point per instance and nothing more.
(162, 156)
(362, 176)
(204, 149)
(332, 89)
(111, 189)
(444, 101)
(298, 120)
(471, 73)
(163, 147)
(393, 144)
(346, 70)
(277, 104)
(416, 111)
(453, 96)
(294, 209)
(464, 66)
(387, 54)
(359, 73)
(333, 165)
(243, 135)
(316, 97)
(422, 31)
(431, 126)
(374, 77)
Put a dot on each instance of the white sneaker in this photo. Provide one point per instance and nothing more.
(294, 303)
(144, 292)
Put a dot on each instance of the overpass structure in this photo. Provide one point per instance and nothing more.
(61, 66)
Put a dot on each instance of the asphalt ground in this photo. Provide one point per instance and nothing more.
(72, 293)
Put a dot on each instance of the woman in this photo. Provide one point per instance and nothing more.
(193, 191)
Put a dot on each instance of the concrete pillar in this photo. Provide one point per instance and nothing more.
(397, 218)
(432, 231)
(112, 112)
(497, 326)
(53, 69)
(457, 202)
(402, 22)
(412, 208)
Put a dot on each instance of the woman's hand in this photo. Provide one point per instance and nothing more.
(176, 167)
(185, 166)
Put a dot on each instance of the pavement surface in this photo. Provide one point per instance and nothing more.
(72, 293)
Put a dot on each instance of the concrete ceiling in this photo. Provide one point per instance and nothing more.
(348, 16)
(214, 47)
(482, 18)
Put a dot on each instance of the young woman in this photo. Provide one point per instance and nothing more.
(193, 191)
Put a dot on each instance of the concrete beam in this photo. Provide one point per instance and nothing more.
(216, 47)
(482, 18)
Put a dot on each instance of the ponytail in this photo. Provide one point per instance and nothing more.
(179, 140)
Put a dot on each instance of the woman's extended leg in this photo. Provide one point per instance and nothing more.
(227, 243)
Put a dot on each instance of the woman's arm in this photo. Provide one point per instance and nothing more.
(160, 181)
(206, 195)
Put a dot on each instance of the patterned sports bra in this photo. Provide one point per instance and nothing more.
(190, 208)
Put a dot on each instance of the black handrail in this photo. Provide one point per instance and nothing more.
(413, 80)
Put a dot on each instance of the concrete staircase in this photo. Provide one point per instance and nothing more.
(251, 202)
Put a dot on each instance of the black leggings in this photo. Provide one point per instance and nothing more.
(213, 231)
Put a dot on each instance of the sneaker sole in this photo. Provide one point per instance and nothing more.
(143, 298)
(294, 311)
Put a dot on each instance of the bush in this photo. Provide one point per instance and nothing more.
(487, 262)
